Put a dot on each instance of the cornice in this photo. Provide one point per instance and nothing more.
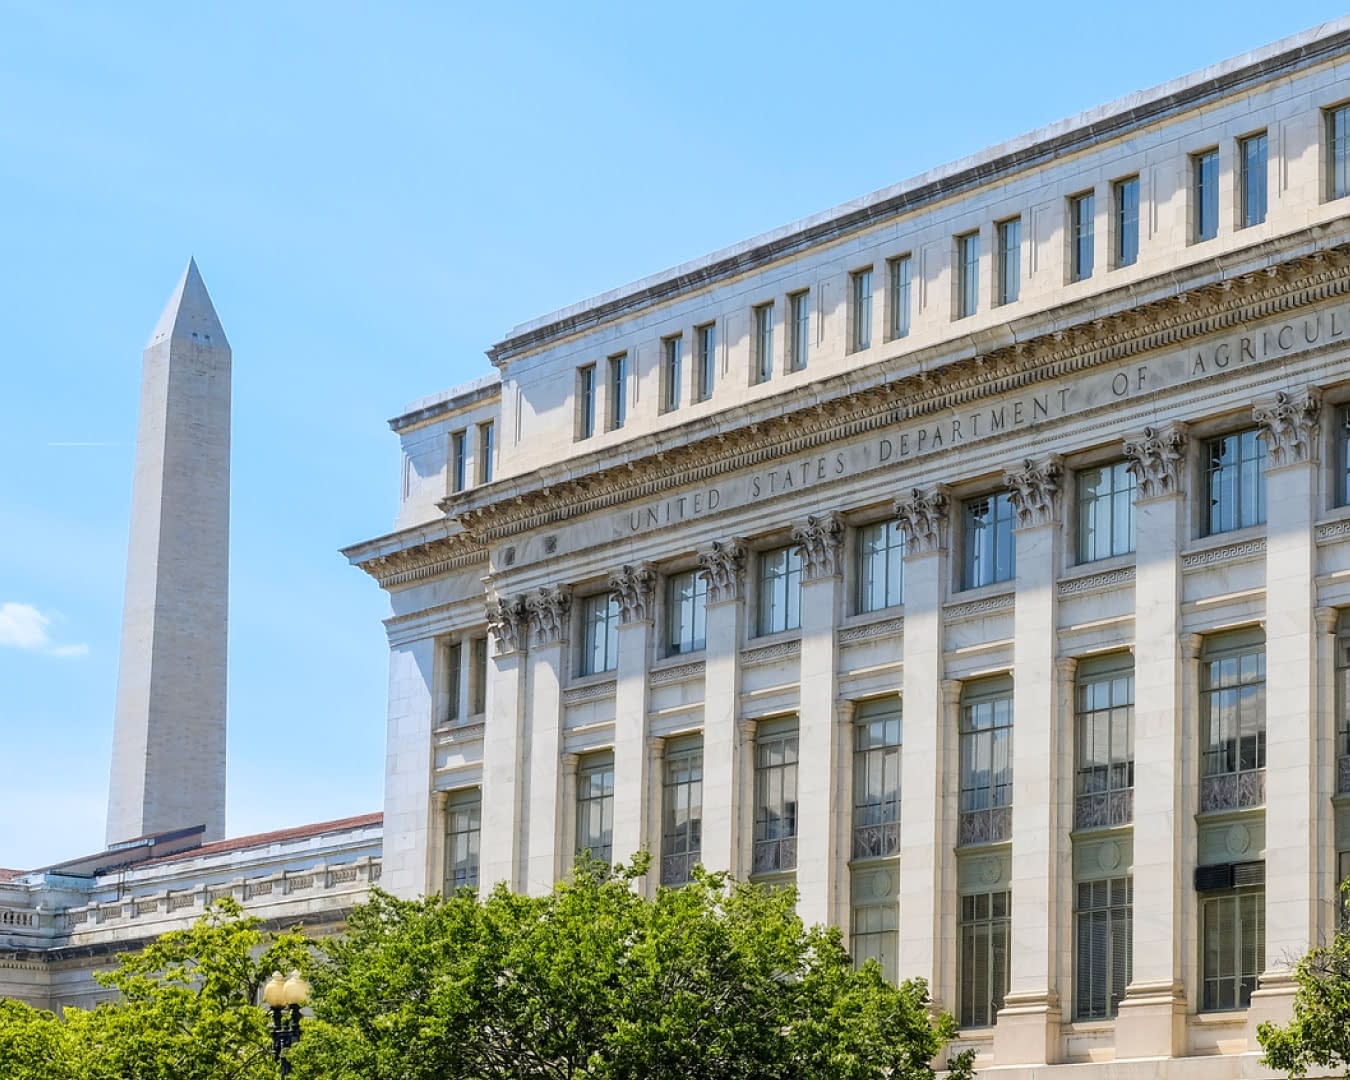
(423, 559)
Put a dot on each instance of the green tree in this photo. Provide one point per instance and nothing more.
(1318, 1036)
(712, 981)
(34, 1045)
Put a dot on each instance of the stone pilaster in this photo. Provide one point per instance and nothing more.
(723, 565)
(1152, 1017)
(633, 588)
(1027, 1031)
(409, 803)
(546, 856)
(654, 802)
(504, 745)
(1289, 425)
(820, 539)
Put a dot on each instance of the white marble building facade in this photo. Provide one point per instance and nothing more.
(974, 555)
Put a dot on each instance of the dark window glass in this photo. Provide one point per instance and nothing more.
(1127, 221)
(1082, 209)
(1252, 154)
(1206, 187)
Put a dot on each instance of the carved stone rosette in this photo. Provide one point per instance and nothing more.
(1033, 489)
(548, 608)
(633, 588)
(507, 619)
(723, 563)
(1290, 425)
(1156, 460)
(820, 538)
(923, 519)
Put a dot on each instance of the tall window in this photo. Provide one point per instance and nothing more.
(986, 761)
(1343, 458)
(875, 935)
(618, 391)
(687, 612)
(881, 566)
(586, 401)
(780, 590)
(463, 828)
(987, 540)
(1233, 721)
(775, 798)
(1235, 481)
(1105, 512)
(1343, 875)
(682, 811)
(1126, 193)
(487, 438)
(707, 360)
(599, 634)
(967, 275)
(1104, 700)
(672, 365)
(454, 692)
(1338, 152)
(459, 457)
(1343, 705)
(982, 948)
(1205, 194)
(1082, 211)
(1252, 161)
(1009, 260)
(1233, 954)
(478, 676)
(1103, 923)
(799, 340)
(900, 271)
(876, 779)
(860, 297)
(763, 345)
(595, 806)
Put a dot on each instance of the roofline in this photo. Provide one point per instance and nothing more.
(1043, 144)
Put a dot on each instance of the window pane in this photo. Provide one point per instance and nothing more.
(674, 371)
(881, 552)
(982, 961)
(1082, 211)
(686, 608)
(463, 824)
(780, 589)
(775, 803)
(1127, 221)
(595, 808)
(1206, 193)
(707, 354)
(968, 275)
(876, 780)
(900, 269)
(1105, 512)
(1253, 159)
(861, 284)
(1009, 260)
(988, 541)
(1235, 482)
(682, 831)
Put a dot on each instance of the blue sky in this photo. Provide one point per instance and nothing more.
(375, 194)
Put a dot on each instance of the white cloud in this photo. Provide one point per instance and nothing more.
(22, 626)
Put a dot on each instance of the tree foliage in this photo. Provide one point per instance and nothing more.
(712, 981)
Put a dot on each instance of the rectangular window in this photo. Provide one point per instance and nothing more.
(459, 456)
(1338, 152)
(875, 935)
(618, 391)
(707, 360)
(876, 779)
(1343, 459)
(599, 634)
(1205, 194)
(463, 828)
(881, 566)
(1105, 512)
(1252, 161)
(586, 401)
(986, 761)
(487, 436)
(453, 656)
(1343, 705)
(595, 807)
(900, 271)
(982, 957)
(1235, 482)
(860, 304)
(775, 798)
(780, 590)
(1233, 721)
(799, 340)
(687, 612)
(987, 540)
(682, 811)
(1103, 923)
(1126, 194)
(1234, 951)
(1082, 213)
(967, 275)
(1104, 719)
(1009, 260)
(478, 676)
(672, 367)
(763, 345)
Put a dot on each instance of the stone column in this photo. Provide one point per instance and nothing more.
(633, 588)
(504, 745)
(549, 610)
(927, 831)
(409, 802)
(724, 568)
(1152, 1018)
(654, 801)
(1295, 799)
(1027, 1031)
(820, 539)
(569, 768)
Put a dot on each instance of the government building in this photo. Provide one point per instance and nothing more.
(973, 556)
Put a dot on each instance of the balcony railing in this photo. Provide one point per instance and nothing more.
(1343, 775)
(772, 856)
(1103, 809)
(985, 826)
(876, 841)
(1233, 791)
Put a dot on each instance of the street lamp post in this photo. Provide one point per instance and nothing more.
(284, 997)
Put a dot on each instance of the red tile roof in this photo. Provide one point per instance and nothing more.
(10, 875)
(299, 832)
